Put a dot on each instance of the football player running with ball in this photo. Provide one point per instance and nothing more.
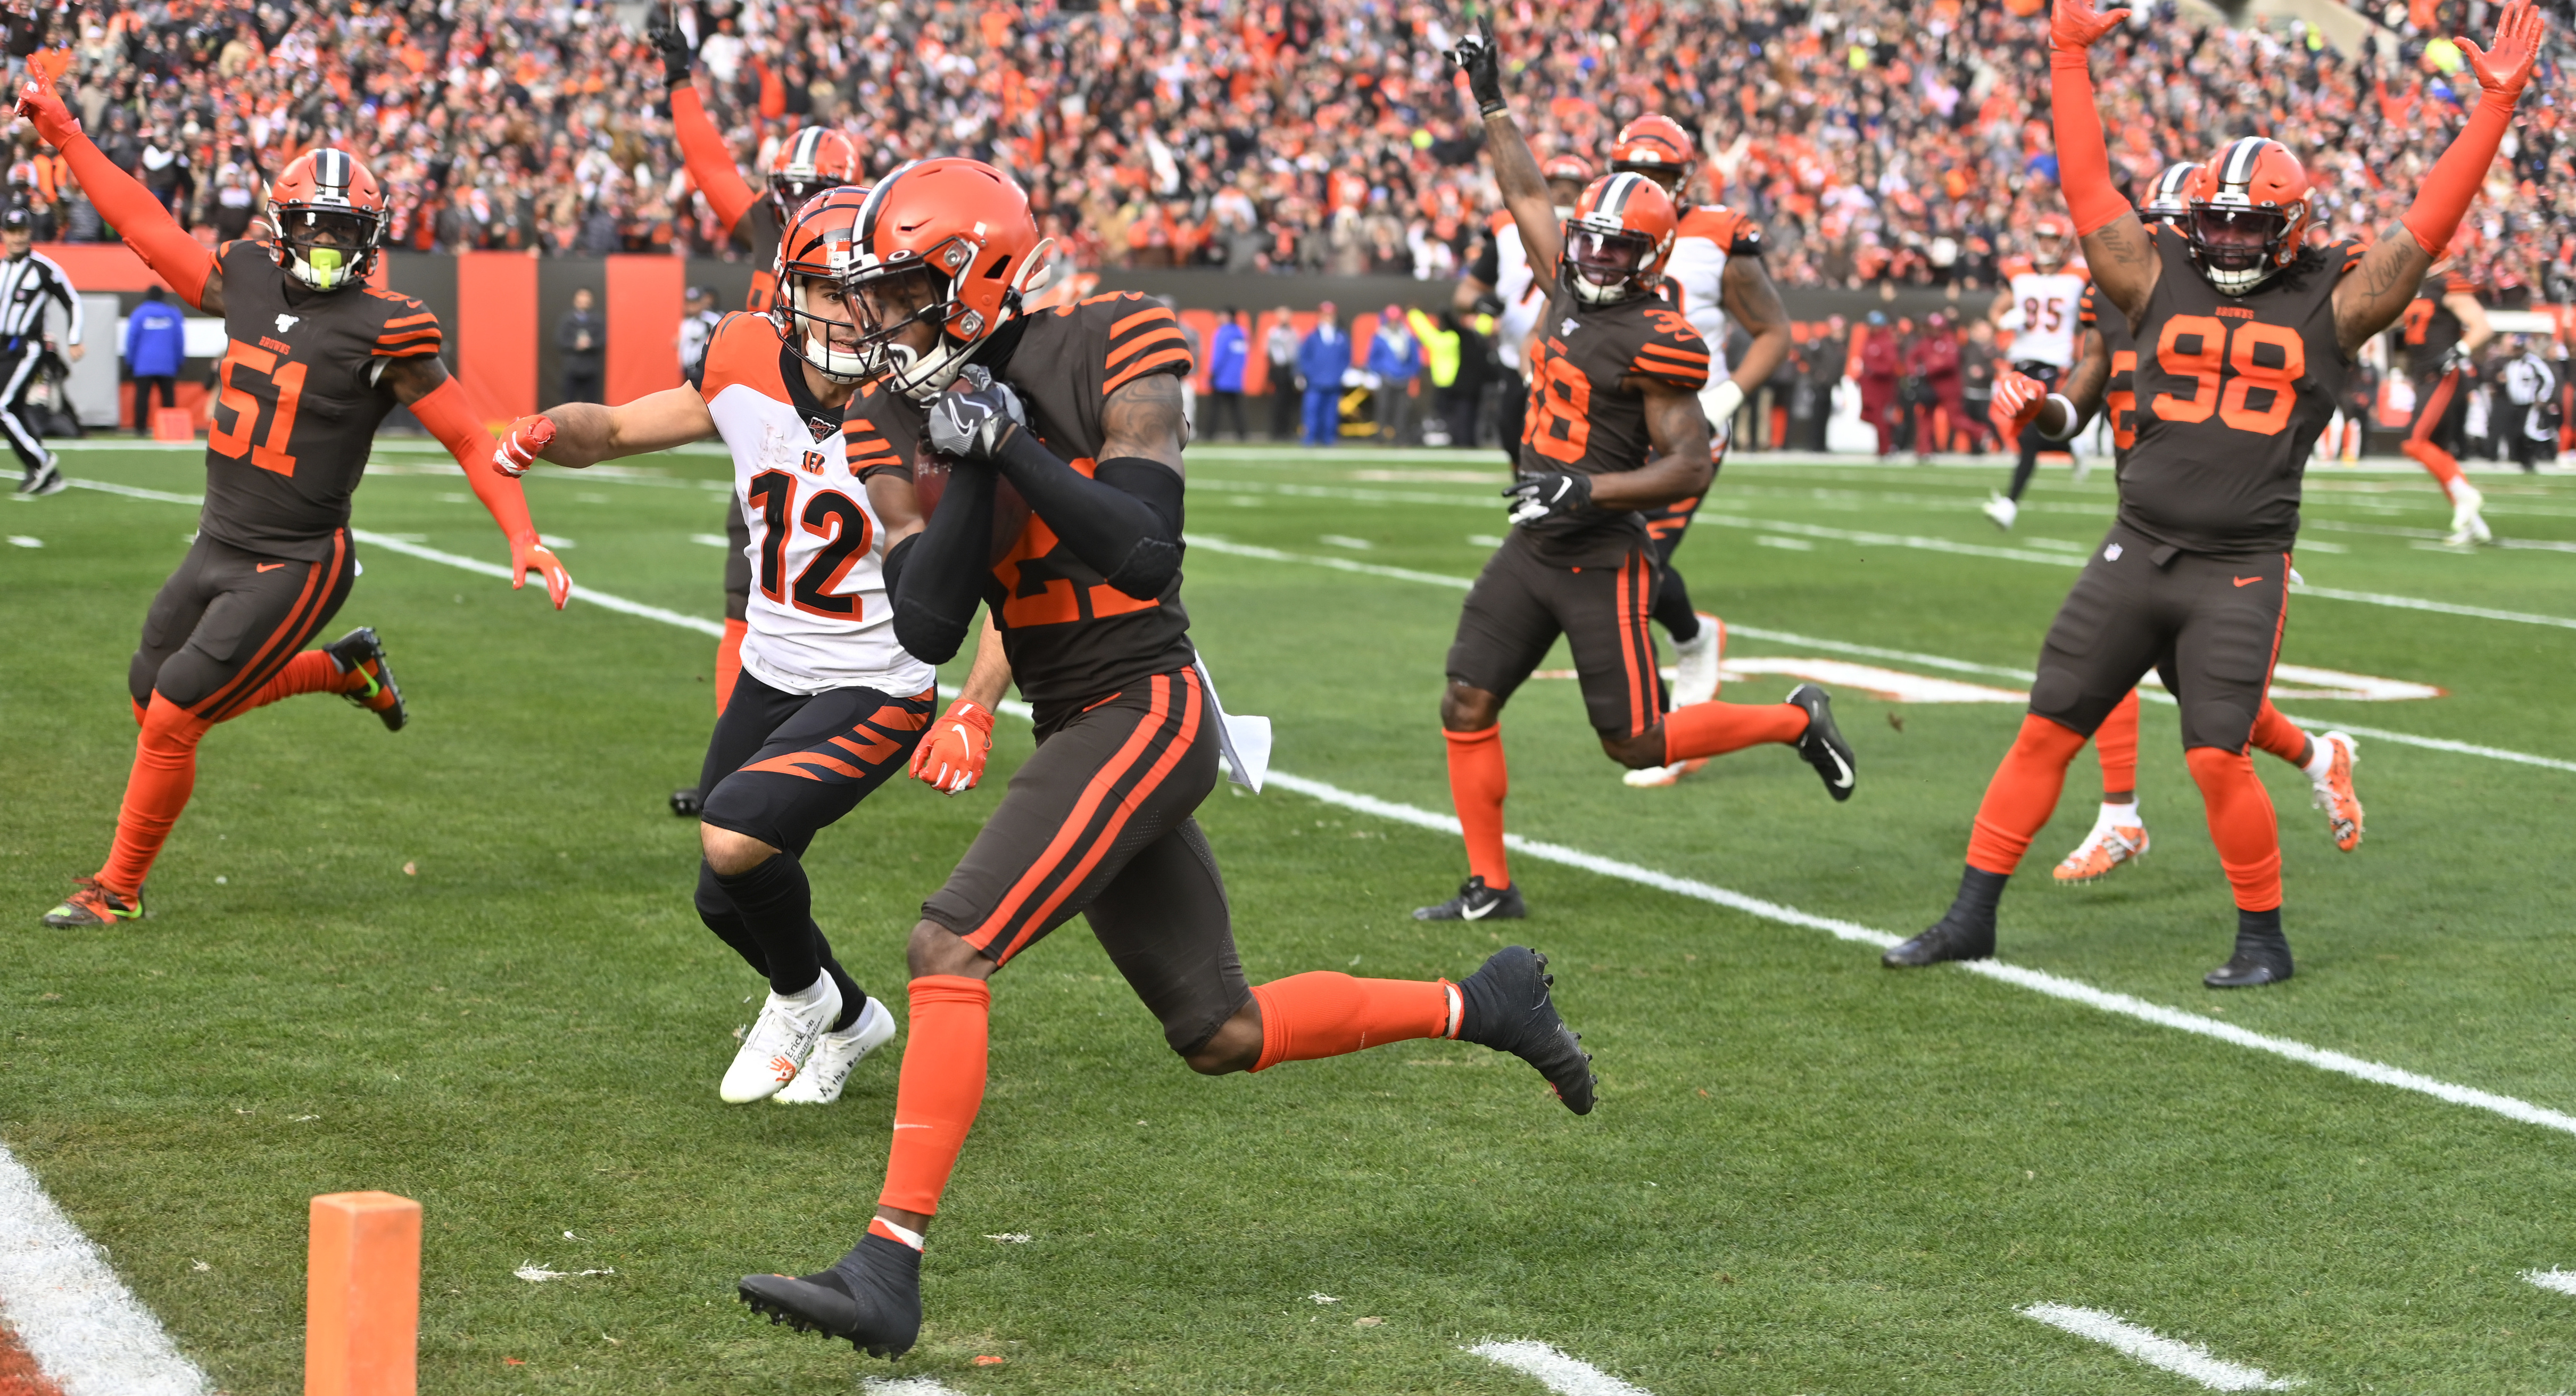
(2244, 336)
(828, 704)
(315, 360)
(1078, 411)
(1615, 427)
(2104, 378)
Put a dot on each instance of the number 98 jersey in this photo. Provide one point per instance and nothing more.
(818, 614)
(2231, 392)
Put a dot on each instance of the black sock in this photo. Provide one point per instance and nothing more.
(854, 1000)
(1980, 892)
(725, 919)
(777, 908)
(1673, 610)
(2022, 470)
(2258, 933)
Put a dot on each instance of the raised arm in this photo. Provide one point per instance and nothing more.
(421, 383)
(2116, 245)
(126, 205)
(2375, 294)
(1515, 167)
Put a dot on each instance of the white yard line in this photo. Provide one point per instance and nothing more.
(2188, 1360)
(1957, 666)
(906, 1386)
(75, 1318)
(2563, 1281)
(1567, 1376)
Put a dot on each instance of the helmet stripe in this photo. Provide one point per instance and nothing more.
(806, 140)
(2239, 166)
(1614, 195)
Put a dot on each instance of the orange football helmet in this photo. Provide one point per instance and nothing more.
(328, 216)
(947, 242)
(814, 304)
(2249, 213)
(1618, 238)
(807, 163)
(1653, 145)
(2169, 198)
(2048, 238)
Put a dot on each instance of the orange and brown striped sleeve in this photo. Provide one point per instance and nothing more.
(1144, 340)
(1667, 359)
(409, 332)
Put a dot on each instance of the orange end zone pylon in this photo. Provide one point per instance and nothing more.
(362, 1296)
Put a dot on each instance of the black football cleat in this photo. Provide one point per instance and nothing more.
(872, 1296)
(1953, 937)
(1476, 902)
(686, 802)
(1505, 1005)
(1822, 745)
(361, 652)
(2262, 953)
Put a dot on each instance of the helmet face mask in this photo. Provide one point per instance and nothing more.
(901, 309)
(1616, 242)
(828, 334)
(328, 218)
(2248, 214)
(813, 161)
(1603, 264)
(946, 253)
(789, 193)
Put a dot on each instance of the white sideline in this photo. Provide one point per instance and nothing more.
(906, 1386)
(1959, 666)
(2563, 1281)
(2188, 1360)
(1567, 1376)
(80, 1323)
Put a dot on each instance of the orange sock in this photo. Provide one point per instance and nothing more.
(1325, 1013)
(940, 1089)
(1714, 729)
(309, 672)
(2241, 824)
(2280, 736)
(2444, 468)
(2022, 795)
(2116, 743)
(165, 772)
(1478, 781)
(729, 661)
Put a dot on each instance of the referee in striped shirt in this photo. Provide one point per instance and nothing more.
(28, 279)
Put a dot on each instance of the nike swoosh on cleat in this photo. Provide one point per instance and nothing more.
(1470, 912)
(2247, 581)
(1843, 783)
(268, 566)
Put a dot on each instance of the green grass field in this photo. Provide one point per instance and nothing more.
(460, 963)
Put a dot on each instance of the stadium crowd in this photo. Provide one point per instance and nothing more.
(1875, 140)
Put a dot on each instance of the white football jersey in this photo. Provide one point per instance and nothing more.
(1707, 235)
(2046, 302)
(1516, 284)
(819, 618)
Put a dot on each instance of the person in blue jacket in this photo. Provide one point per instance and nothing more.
(1228, 352)
(155, 343)
(1394, 361)
(1321, 361)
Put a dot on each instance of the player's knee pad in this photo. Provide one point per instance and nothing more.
(2058, 695)
(2219, 723)
(187, 678)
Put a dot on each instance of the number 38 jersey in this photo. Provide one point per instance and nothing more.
(1582, 421)
(298, 399)
(2231, 394)
(818, 614)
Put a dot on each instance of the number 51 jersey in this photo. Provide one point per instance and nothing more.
(818, 615)
(2231, 392)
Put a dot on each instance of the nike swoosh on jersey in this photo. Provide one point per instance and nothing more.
(2247, 581)
(268, 566)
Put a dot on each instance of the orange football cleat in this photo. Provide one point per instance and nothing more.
(2334, 792)
(2107, 847)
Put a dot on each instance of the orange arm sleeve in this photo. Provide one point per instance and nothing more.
(442, 409)
(710, 162)
(2083, 161)
(2453, 182)
(139, 218)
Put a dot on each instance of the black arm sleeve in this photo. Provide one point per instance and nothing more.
(935, 578)
(1124, 522)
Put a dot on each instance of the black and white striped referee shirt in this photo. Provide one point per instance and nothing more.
(26, 283)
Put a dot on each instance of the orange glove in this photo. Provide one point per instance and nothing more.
(520, 446)
(42, 104)
(2018, 398)
(951, 758)
(2073, 25)
(528, 555)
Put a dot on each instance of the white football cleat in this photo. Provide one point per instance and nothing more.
(777, 1045)
(2107, 847)
(819, 1081)
(1695, 678)
(2466, 526)
(2003, 511)
(1654, 777)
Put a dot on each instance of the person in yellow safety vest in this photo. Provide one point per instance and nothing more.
(1439, 340)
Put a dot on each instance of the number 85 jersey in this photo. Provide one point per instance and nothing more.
(2231, 392)
(818, 615)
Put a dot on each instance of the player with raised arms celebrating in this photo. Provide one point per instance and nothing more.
(2104, 379)
(829, 703)
(810, 161)
(1616, 427)
(1714, 276)
(1501, 283)
(2244, 337)
(315, 359)
(1078, 410)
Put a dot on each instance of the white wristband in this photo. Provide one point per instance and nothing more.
(1718, 402)
(2071, 422)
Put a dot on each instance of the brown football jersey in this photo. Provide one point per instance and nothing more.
(2428, 327)
(2120, 389)
(298, 398)
(1585, 418)
(2231, 394)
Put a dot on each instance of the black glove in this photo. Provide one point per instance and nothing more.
(665, 33)
(1488, 304)
(1477, 57)
(972, 425)
(1548, 497)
